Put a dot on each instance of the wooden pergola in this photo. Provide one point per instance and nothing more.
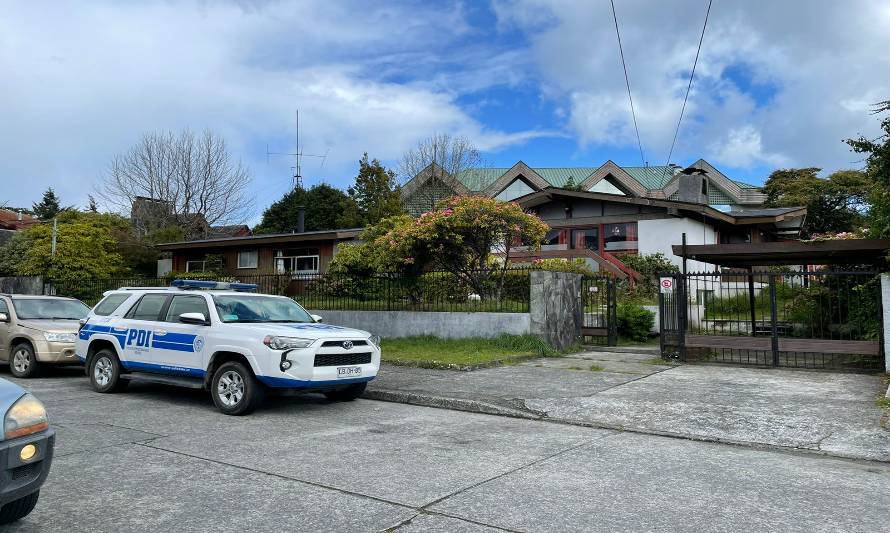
(859, 251)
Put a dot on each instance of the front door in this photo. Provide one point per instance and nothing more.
(179, 347)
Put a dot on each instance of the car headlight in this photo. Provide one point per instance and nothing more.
(375, 340)
(286, 343)
(60, 337)
(25, 417)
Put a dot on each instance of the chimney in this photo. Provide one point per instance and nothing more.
(693, 186)
(301, 219)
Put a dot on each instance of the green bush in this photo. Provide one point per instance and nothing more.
(575, 266)
(634, 322)
(650, 267)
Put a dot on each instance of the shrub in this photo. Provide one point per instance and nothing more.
(575, 266)
(635, 322)
(650, 267)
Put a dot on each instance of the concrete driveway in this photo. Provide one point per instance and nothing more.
(822, 412)
(163, 459)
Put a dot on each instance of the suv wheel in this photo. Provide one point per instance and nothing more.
(23, 363)
(105, 372)
(347, 394)
(18, 509)
(234, 389)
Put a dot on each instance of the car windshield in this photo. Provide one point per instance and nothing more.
(49, 309)
(255, 308)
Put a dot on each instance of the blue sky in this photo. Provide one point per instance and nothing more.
(532, 80)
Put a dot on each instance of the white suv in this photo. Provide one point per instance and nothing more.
(228, 340)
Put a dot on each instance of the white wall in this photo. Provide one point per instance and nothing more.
(659, 235)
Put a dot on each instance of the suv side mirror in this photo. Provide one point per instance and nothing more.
(4, 317)
(316, 318)
(197, 319)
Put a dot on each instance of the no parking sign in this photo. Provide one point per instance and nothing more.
(666, 284)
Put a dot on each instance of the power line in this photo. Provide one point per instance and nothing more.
(627, 83)
(688, 88)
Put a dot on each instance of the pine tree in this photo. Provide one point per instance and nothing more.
(48, 207)
(375, 192)
(93, 207)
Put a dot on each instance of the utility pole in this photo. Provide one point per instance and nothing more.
(55, 235)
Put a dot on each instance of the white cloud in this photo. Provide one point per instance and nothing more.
(84, 81)
(824, 63)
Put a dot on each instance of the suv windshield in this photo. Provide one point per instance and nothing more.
(257, 308)
(49, 309)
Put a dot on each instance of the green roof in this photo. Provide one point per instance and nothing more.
(652, 177)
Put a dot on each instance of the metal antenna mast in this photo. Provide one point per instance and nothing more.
(298, 156)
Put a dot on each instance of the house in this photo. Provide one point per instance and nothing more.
(12, 221)
(151, 214)
(297, 253)
(601, 213)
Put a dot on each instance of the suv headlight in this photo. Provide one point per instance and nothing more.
(375, 340)
(60, 337)
(25, 417)
(286, 343)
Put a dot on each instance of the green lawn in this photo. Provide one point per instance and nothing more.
(433, 352)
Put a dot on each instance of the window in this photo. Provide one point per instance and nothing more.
(49, 309)
(257, 308)
(552, 237)
(297, 261)
(3, 307)
(585, 239)
(620, 237)
(247, 259)
(148, 308)
(516, 189)
(110, 304)
(195, 266)
(186, 304)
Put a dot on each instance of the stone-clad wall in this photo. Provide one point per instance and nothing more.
(22, 285)
(555, 307)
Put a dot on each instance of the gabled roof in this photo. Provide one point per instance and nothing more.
(659, 182)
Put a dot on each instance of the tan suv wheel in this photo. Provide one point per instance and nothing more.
(23, 361)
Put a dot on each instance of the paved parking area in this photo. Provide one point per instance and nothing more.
(825, 412)
(163, 459)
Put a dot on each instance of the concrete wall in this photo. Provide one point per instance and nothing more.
(659, 235)
(22, 285)
(395, 324)
(555, 308)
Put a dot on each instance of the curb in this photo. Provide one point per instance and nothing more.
(480, 407)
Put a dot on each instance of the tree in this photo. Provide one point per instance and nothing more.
(459, 237)
(93, 207)
(444, 157)
(85, 249)
(834, 204)
(186, 175)
(375, 192)
(48, 207)
(325, 207)
(877, 168)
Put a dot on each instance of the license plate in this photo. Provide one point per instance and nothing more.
(349, 372)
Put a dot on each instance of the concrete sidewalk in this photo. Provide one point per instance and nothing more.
(820, 412)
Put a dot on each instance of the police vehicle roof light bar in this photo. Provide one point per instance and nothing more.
(213, 285)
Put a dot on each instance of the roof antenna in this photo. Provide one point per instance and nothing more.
(297, 173)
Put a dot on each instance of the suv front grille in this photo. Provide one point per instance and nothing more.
(341, 359)
(328, 344)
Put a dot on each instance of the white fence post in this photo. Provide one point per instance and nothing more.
(885, 304)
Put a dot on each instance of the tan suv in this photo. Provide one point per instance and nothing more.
(35, 330)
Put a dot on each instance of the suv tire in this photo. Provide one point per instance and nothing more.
(18, 509)
(347, 394)
(234, 389)
(23, 362)
(105, 372)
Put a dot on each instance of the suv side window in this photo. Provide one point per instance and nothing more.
(110, 304)
(3, 307)
(186, 304)
(148, 307)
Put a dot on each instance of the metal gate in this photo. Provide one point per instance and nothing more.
(823, 320)
(599, 310)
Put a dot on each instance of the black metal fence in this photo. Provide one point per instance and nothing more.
(798, 319)
(599, 298)
(506, 292)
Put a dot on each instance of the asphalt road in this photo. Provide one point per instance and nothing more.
(163, 459)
